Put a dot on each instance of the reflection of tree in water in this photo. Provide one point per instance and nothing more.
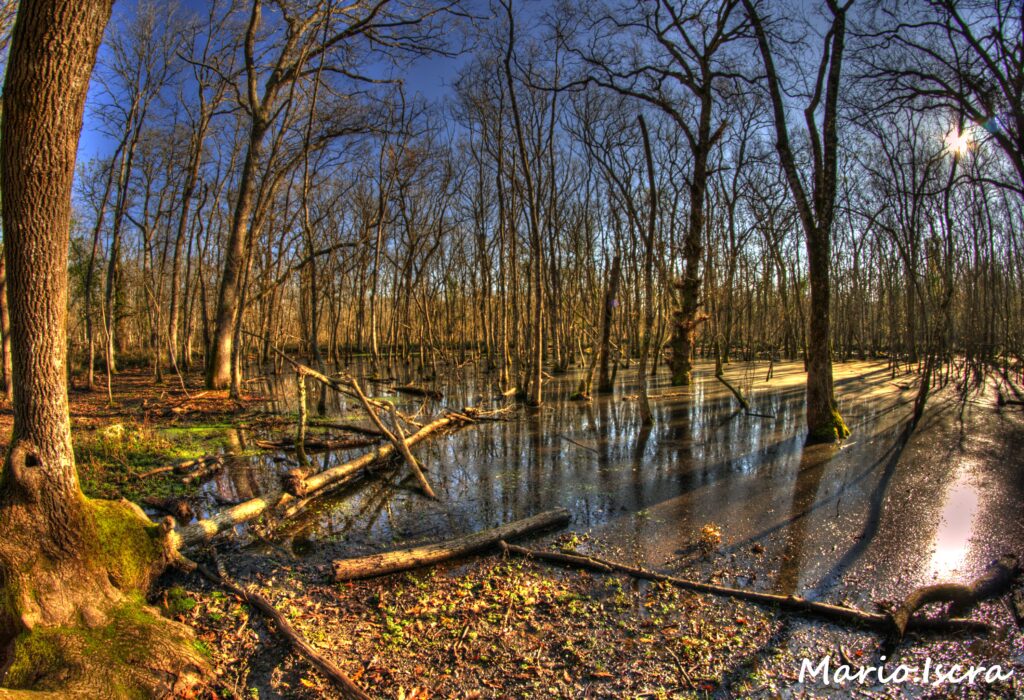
(805, 493)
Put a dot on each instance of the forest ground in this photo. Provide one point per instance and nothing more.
(495, 627)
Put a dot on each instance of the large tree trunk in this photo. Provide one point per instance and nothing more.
(5, 334)
(604, 382)
(817, 214)
(688, 317)
(64, 561)
(823, 419)
(218, 367)
(43, 519)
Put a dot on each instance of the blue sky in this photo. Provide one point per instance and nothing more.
(431, 77)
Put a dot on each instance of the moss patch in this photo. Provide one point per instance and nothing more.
(834, 429)
(110, 459)
(128, 544)
(117, 660)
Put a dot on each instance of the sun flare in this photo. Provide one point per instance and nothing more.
(958, 142)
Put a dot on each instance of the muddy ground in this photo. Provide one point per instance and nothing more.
(710, 493)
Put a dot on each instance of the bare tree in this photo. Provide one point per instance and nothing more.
(816, 208)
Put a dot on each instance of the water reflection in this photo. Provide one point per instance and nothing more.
(701, 462)
(956, 525)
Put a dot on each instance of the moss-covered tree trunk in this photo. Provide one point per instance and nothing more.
(65, 562)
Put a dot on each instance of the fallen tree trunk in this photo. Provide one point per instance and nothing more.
(415, 557)
(419, 391)
(208, 467)
(833, 613)
(203, 530)
(350, 427)
(313, 444)
(298, 643)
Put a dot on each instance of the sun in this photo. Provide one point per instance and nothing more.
(958, 143)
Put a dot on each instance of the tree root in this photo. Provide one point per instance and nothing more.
(993, 582)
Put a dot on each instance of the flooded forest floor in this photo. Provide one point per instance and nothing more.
(709, 493)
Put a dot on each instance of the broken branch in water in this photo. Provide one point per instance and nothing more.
(419, 391)
(397, 438)
(415, 557)
(578, 444)
(349, 427)
(200, 466)
(834, 613)
(735, 392)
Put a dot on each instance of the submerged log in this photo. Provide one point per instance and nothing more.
(415, 557)
(313, 444)
(833, 613)
(412, 390)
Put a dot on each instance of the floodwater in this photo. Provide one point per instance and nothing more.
(885, 511)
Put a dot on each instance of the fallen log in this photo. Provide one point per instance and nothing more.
(412, 390)
(349, 427)
(996, 580)
(833, 613)
(1017, 607)
(204, 530)
(313, 444)
(427, 555)
(296, 641)
(182, 467)
(208, 467)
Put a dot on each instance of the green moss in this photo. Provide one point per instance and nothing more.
(128, 544)
(834, 429)
(108, 657)
(110, 459)
(202, 648)
(179, 602)
(34, 655)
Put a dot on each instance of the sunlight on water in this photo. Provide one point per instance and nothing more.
(953, 538)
